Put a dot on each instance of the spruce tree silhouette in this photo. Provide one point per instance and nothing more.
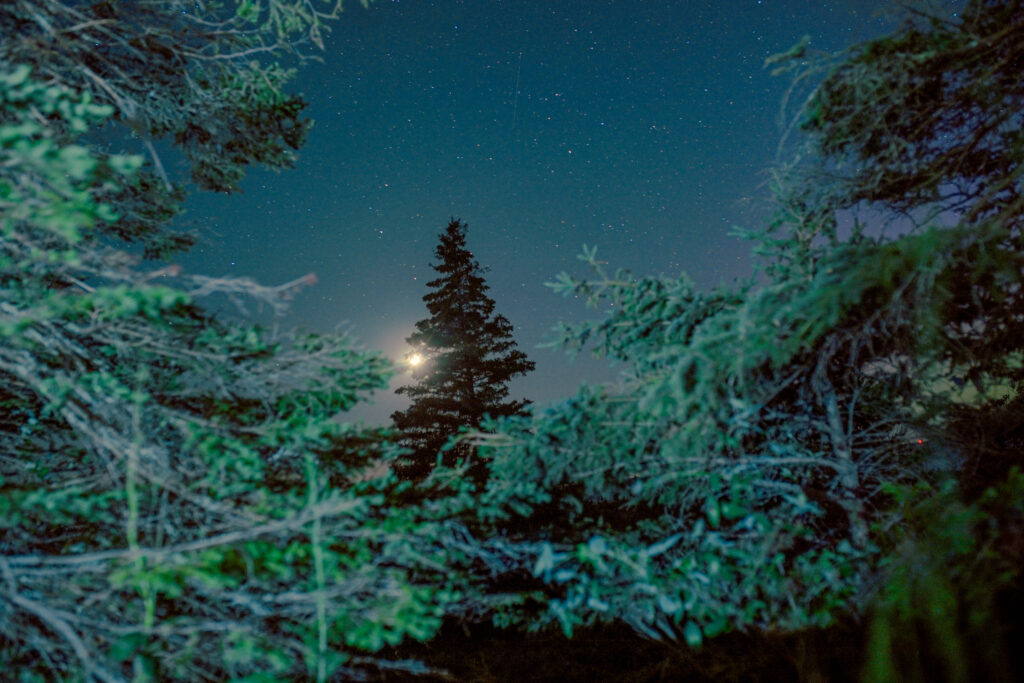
(468, 357)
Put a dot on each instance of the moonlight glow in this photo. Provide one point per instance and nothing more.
(415, 359)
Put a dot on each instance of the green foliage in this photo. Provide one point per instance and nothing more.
(952, 563)
(178, 496)
(200, 77)
(52, 190)
(741, 475)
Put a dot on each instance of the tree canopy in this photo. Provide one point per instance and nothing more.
(179, 499)
(203, 77)
(839, 436)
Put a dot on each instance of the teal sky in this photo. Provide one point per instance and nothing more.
(643, 127)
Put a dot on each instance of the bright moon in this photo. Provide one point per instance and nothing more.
(415, 359)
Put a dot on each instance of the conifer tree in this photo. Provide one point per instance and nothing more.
(468, 357)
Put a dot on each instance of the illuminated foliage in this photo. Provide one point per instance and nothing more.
(178, 498)
(751, 469)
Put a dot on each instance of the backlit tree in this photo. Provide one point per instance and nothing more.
(469, 357)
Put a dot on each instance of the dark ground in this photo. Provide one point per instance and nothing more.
(615, 653)
(991, 650)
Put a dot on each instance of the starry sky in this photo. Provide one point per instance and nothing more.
(642, 127)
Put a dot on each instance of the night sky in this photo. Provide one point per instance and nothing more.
(643, 127)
